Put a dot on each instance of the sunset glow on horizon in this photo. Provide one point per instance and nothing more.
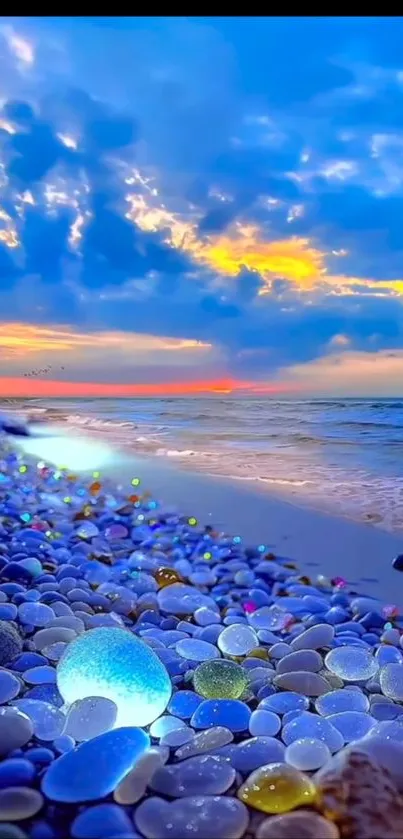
(20, 388)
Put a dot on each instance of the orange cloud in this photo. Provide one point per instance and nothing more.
(20, 388)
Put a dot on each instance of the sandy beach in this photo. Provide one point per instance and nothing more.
(320, 543)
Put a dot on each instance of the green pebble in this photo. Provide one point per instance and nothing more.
(220, 679)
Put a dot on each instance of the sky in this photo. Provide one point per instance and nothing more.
(201, 204)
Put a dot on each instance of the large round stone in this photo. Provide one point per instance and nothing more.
(112, 663)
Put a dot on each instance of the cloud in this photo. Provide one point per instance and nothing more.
(352, 373)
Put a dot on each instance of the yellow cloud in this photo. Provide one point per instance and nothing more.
(20, 339)
(295, 259)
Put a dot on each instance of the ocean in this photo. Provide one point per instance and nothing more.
(343, 456)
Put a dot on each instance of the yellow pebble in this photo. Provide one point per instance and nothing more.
(259, 652)
(167, 576)
(277, 788)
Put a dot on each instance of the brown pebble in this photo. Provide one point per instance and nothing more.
(302, 824)
(360, 797)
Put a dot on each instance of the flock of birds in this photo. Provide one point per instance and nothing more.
(41, 371)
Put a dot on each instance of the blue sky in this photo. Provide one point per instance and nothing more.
(203, 198)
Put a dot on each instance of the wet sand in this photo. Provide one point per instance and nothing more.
(320, 543)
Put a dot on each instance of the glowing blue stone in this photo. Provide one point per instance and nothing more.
(112, 756)
(112, 663)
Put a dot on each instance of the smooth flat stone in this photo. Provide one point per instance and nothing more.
(353, 725)
(391, 681)
(205, 774)
(264, 723)
(309, 684)
(282, 703)
(250, 754)
(301, 824)
(35, 614)
(115, 753)
(19, 803)
(135, 783)
(197, 817)
(164, 725)
(43, 675)
(16, 772)
(308, 660)
(341, 700)
(312, 726)
(9, 686)
(352, 664)
(103, 820)
(237, 640)
(307, 754)
(314, 638)
(230, 713)
(183, 703)
(181, 599)
(205, 741)
(15, 729)
(47, 721)
(90, 717)
(195, 650)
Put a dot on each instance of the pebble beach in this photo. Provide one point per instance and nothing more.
(163, 679)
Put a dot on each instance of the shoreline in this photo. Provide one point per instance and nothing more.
(321, 543)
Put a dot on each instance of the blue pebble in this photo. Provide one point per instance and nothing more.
(16, 772)
(265, 691)
(47, 693)
(335, 615)
(350, 626)
(113, 754)
(8, 612)
(372, 620)
(103, 820)
(340, 600)
(63, 743)
(40, 755)
(27, 660)
(370, 638)
(184, 703)
(231, 713)
(42, 830)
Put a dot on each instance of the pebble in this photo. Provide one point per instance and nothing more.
(47, 721)
(264, 723)
(10, 643)
(103, 820)
(341, 700)
(237, 640)
(230, 713)
(134, 784)
(202, 774)
(19, 803)
(391, 681)
(195, 650)
(282, 703)
(9, 686)
(195, 817)
(68, 778)
(307, 753)
(205, 741)
(314, 638)
(309, 684)
(306, 660)
(89, 717)
(311, 725)
(304, 824)
(352, 724)
(112, 663)
(220, 679)
(277, 788)
(15, 730)
(352, 664)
